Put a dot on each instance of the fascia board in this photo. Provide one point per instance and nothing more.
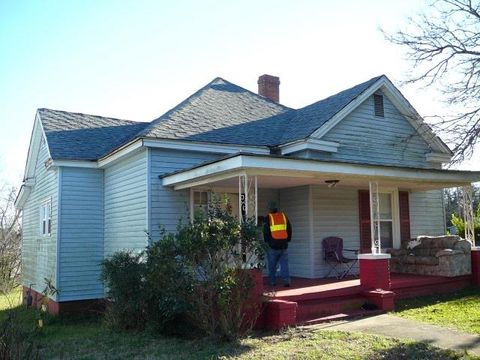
(438, 157)
(22, 196)
(310, 144)
(120, 153)
(34, 147)
(307, 168)
(205, 147)
(75, 163)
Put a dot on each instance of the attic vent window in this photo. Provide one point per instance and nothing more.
(378, 105)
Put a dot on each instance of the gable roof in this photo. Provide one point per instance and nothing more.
(222, 112)
(76, 136)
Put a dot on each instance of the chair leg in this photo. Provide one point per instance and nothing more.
(333, 268)
(349, 268)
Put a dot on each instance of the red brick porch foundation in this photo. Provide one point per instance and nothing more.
(375, 279)
(94, 306)
(375, 271)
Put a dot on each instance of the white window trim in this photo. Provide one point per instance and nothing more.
(46, 203)
(393, 191)
(192, 200)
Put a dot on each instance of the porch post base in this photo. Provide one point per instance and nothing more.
(374, 271)
(383, 299)
(280, 314)
(475, 266)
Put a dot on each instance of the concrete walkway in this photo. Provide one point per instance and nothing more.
(393, 326)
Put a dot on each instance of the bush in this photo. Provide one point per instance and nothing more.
(459, 224)
(15, 342)
(169, 285)
(197, 275)
(219, 250)
(124, 276)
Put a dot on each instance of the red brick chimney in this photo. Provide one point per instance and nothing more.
(269, 86)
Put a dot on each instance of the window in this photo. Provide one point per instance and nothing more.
(386, 220)
(46, 218)
(200, 202)
(378, 105)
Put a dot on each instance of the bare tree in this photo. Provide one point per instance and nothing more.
(443, 44)
(10, 240)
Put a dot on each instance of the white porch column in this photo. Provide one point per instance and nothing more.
(248, 197)
(467, 204)
(375, 217)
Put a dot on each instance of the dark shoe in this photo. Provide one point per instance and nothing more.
(286, 285)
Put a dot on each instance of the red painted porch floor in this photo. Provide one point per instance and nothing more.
(320, 300)
(305, 288)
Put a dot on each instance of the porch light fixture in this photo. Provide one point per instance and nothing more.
(332, 183)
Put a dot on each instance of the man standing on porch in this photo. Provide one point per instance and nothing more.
(277, 233)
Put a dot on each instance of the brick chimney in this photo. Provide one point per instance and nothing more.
(269, 86)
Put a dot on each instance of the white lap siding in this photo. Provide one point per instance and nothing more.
(81, 234)
(39, 253)
(126, 205)
(335, 213)
(295, 203)
(167, 206)
(366, 138)
(427, 216)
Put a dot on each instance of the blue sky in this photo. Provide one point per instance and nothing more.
(137, 59)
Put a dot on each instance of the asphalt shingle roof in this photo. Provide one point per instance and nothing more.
(75, 136)
(220, 112)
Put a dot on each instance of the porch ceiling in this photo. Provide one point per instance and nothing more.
(282, 172)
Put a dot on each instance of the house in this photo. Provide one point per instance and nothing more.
(95, 185)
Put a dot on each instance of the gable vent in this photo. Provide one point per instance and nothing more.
(378, 105)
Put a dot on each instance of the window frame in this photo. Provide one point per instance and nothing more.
(46, 218)
(395, 220)
(194, 206)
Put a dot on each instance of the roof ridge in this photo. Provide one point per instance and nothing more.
(187, 100)
(259, 96)
(96, 116)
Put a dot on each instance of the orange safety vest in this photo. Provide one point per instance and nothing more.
(278, 225)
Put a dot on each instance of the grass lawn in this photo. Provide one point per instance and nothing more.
(74, 338)
(460, 310)
(10, 300)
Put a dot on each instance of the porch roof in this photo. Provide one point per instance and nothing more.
(279, 171)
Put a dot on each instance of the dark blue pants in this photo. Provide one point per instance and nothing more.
(276, 257)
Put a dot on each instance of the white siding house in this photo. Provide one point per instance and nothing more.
(96, 185)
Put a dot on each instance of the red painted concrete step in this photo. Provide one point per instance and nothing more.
(309, 309)
(341, 316)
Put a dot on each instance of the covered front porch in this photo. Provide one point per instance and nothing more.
(323, 199)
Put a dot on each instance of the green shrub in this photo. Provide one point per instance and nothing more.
(219, 251)
(459, 224)
(198, 275)
(169, 285)
(124, 275)
(15, 342)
